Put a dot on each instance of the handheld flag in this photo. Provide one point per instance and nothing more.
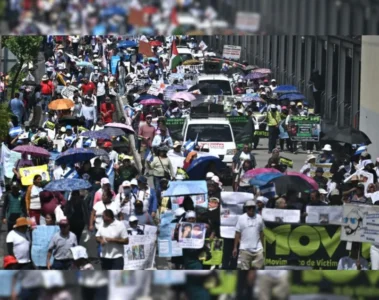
(268, 190)
(175, 58)
(149, 156)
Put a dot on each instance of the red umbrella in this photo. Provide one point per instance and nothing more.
(121, 126)
(32, 150)
(155, 43)
(150, 10)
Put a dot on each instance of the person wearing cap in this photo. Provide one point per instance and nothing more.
(126, 199)
(70, 136)
(320, 179)
(306, 168)
(103, 200)
(248, 238)
(323, 194)
(125, 172)
(261, 203)
(273, 85)
(209, 176)
(326, 157)
(14, 206)
(60, 247)
(134, 229)
(80, 257)
(107, 109)
(112, 236)
(176, 150)
(273, 120)
(18, 243)
(88, 112)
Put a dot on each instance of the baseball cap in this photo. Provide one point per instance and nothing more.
(214, 199)
(292, 103)
(209, 175)
(190, 214)
(335, 192)
(126, 183)
(104, 180)
(68, 127)
(134, 182)
(273, 80)
(250, 203)
(142, 179)
(322, 192)
(179, 212)
(63, 222)
(262, 199)
(133, 219)
(107, 144)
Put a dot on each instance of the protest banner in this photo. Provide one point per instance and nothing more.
(27, 174)
(9, 159)
(191, 235)
(304, 129)
(231, 52)
(126, 285)
(169, 277)
(68, 92)
(325, 167)
(286, 162)
(140, 252)
(362, 285)
(230, 210)
(243, 130)
(311, 246)
(261, 133)
(281, 215)
(320, 215)
(360, 223)
(248, 21)
(41, 237)
(175, 127)
(215, 248)
(167, 245)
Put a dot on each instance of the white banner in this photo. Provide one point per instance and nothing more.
(248, 21)
(68, 92)
(324, 215)
(230, 210)
(140, 252)
(360, 223)
(232, 52)
(192, 235)
(281, 215)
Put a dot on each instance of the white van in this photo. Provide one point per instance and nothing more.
(215, 132)
(217, 79)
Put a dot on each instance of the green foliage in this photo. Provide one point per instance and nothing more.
(4, 120)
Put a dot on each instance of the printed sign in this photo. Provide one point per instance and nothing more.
(281, 215)
(320, 215)
(231, 52)
(42, 236)
(27, 174)
(304, 129)
(68, 92)
(261, 133)
(169, 277)
(167, 245)
(175, 127)
(214, 248)
(126, 285)
(325, 167)
(312, 246)
(191, 235)
(9, 159)
(286, 162)
(140, 252)
(360, 223)
(248, 21)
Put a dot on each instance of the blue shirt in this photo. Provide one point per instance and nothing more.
(16, 106)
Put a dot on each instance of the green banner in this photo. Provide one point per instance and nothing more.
(304, 129)
(243, 130)
(261, 134)
(355, 284)
(215, 247)
(175, 127)
(315, 246)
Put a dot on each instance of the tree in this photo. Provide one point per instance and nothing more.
(4, 121)
(26, 49)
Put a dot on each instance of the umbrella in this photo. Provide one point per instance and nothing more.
(84, 64)
(310, 180)
(61, 104)
(29, 83)
(96, 134)
(349, 136)
(252, 98)
(262, 71)
(250, 68)
(121, 126)
(253, 173)
(70, 120)
(178, 87)
(286, 89)
(147, 96)
(74, 155)
(155, 43)
(67, 184)
(32, 150)
(152, 102)
(254, 75)
(127, 44)
(292, 96)
(199, 167)
(183, 96)
(264, 178)
(99, 151)
(113, 131)
(184, 188)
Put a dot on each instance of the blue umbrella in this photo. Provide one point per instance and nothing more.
(184, 188)
(85, 64)
(286, 89)
(199, 167)
(96, 134)
(67, 184)
(113, 10)
(252, 98)
(127, 44)
(264, 178)
(74, 155)
(292, 96)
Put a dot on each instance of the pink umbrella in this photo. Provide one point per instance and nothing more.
(151, 102)
(32, 150)
(120, 125)
(186, 96)
(262, 71)
(252, 173)
(310, 180)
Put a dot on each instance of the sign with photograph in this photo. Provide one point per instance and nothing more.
(304, 129)
(281, 215)
(231, 52)
(320, 215)
(140, 252)
(192, 235)
(27, 174)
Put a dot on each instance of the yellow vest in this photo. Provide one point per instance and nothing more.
(228, 283)
(273, 119)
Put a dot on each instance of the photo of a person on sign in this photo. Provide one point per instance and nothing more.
(186, 231)
(197, 231)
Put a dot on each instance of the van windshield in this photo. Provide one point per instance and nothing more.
(224, 85)
(210, 133)
(185, 56)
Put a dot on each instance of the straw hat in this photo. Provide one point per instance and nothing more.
(21, 222)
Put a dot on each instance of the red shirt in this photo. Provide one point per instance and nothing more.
(47, 87)
(86, 87)
(107, 110)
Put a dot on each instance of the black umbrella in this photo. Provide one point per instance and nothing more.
(113, 131)
(30, 83)
(349, 136)
(70, 120)
(285, 183)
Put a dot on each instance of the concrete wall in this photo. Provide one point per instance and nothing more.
(369, 108)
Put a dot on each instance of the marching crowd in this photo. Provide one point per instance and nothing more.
(90, 142)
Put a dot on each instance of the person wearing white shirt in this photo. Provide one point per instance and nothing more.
(61, 172)
(273, 283)
(125, 200)
(354, 261)
(306, 169)
(249, 236)
(112, 236)
(98, 209)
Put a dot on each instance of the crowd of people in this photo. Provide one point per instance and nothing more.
(91, 140)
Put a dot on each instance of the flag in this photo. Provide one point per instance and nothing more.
(174, 17)
(175, 58)
(190, 145)
(149, 155)
(268, 190)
